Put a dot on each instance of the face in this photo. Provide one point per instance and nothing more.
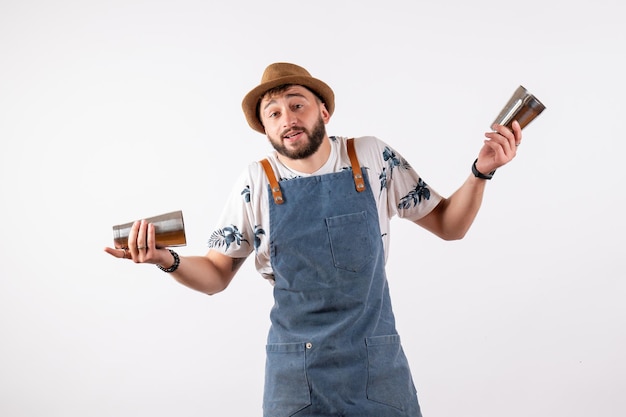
(294, 122)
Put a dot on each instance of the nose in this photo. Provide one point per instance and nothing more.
(290, 119)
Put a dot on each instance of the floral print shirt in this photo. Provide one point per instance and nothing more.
(244, 227)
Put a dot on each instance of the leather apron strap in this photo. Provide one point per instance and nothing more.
(354, 161)
(271, 177)
(356, 167)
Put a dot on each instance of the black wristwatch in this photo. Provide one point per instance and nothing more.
(479, 174)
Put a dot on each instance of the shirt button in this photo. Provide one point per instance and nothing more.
(309, 345)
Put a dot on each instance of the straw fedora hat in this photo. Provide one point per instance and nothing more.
(282, 73)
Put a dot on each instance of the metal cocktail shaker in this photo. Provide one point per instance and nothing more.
(523, 107)
(169, 229)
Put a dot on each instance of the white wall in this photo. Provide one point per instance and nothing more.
(116, 110)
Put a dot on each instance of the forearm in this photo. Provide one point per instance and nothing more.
(453, 217)
(209, 274)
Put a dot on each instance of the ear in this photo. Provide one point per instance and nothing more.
(325, 113)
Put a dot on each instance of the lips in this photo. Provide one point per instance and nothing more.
(293, 135)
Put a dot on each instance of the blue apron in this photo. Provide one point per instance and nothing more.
(332, 348)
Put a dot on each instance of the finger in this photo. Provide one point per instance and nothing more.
(497, 149)
(151, 238)
(508, 141)
(142, 239)
(118, 253)
(142, 235)
(132, 239)
(505, 131)
(517, 131)
(496, 140)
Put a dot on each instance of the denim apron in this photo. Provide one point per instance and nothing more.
(332, 349)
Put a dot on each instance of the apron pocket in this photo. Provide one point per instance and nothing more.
(286, 386)
(389, 379)
(349, 241)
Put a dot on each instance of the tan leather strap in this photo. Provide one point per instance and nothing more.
(359, 182)
(356, 167)
(271, 177)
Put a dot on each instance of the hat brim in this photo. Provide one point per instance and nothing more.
(251, 101)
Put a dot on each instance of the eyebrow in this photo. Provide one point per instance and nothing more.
(288, 95)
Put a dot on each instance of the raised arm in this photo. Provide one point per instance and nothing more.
(454, 215)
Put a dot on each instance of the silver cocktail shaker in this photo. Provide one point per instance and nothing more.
(523, 107)
(169, 229)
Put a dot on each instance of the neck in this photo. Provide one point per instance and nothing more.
(310, 164)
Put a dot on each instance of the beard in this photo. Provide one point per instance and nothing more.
(316, 138)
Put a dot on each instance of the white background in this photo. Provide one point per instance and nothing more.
(122, 109)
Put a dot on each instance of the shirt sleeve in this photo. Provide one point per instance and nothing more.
(408, 195)
(233, 235)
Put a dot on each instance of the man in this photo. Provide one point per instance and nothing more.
(316, 215)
